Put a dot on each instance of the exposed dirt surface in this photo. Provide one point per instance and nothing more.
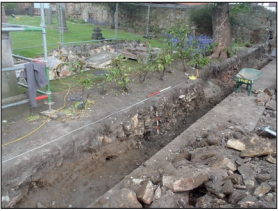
(77, 182)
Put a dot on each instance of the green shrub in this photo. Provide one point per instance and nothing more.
(119, 73)
(80, 20)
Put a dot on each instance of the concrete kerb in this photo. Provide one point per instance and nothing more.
(25, 168)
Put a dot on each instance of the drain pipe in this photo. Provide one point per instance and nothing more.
(45, 56)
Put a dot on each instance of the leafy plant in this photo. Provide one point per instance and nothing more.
(164, 59)
(86, 84)
(76, 66)
(199, 60)
(119, 73)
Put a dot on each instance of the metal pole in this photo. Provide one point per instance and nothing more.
(148, 18)
(61, 24)
(25, 86)
(48, 92)
(16, 103)
(8, 29)
(22, 57)
(59, 20)
(12, 68)
(116, 23)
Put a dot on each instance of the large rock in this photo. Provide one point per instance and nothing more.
(248, 173)
(262, 189)
(134, 122)
(217, 179)
(145, 192)
(236, 196)
(186, 178)
(228, 187)
(248, 202)
(271, 105)
(204, 202)
(223, 163)
(157, 193)
(235, 144)
(171, 200)
(256, 151)
(139, 130)
(263, 177)
(270, 159)
(269, 92)
(235, 178)
(262, 99)
(125, 198)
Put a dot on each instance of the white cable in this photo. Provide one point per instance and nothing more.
(81, 128)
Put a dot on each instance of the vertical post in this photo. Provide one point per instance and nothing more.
(59, 17)
(148, 18)
(45, 56)
(116, 23)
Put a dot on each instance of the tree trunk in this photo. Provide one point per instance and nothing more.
(221, 30)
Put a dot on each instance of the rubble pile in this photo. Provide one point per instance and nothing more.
(225, 168)
(94, 56)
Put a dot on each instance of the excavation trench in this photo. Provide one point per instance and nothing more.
(79, 183)
(84, 172)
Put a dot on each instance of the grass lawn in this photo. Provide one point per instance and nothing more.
(77, 32)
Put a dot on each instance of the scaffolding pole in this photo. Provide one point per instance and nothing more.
(48, 92)
(148, 18)
(116, 22)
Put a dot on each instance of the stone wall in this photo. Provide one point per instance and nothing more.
(253, 26)
(250, 26)
(88, 10)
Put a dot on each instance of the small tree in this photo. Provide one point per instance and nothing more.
(86, 84)
(164, 59)
(179, 34)
(119, 73)
(145, 65)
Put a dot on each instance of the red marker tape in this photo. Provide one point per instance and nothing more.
(158, 92)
